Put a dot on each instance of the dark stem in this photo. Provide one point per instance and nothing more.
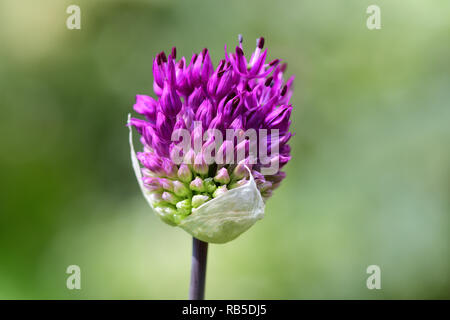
(198, 270)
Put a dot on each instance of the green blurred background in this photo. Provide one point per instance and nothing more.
(369, 182)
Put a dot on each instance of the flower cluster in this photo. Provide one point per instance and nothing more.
(239, 94)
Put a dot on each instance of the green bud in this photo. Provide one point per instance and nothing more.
(222, 176)
(184, 173)
(180, 189)
(197, 185)
(158, 201)
(237, 184)
(177, 218)
(168, 214)
(210, 186)
(198, 200)
(170, 197)
(184, 207)
(220, 191)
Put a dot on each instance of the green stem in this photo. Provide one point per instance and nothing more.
(198, 270)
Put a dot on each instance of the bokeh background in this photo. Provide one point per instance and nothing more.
(369, 182)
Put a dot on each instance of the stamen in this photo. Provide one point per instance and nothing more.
(174, 53)
(239, 51)
(158, 59)
(268, 81)
(163, 57)
(274, 62)
(231, 96)
(260, 43)
(221, 65)
(240, 38)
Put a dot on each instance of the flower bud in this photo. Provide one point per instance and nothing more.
(184, 173)
(170, 168)
(200, 166)
(164, 126)
(146, 106)
(196, 98)
(239, 172)
(151, 162)
(209, 184)
(158, 201)
(237, 184)
(279, 118)
(180, 189)
(225, 152)
(241, 62)
(232, 109)
(205, 113)
(265, 186)
(239, 94)
(170, 101)
(166, 184)
(170, 197)
(276, 178)
(238, 123)
(220, 191)
(152, 184)
(198, 200)
(158, 70)
(189, 158)
(184, 207)
(197, 185)
(222, 176)
(227, 80)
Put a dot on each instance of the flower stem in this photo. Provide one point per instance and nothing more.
(198, 270)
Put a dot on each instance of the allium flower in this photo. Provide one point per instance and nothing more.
(239, 94)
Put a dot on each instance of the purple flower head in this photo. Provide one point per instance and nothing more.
(239, 108)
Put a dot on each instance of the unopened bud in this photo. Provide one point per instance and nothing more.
(220, 191)
(222, 176)
(200, 166)
(180, 189)
(197, 185)
(158, 201)
(239, 172)
(184, 207)
(198, 200)
(166, 184)
(265, 186)
(238, 184)
(210, 186)
(170, 197)
(184, 173)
